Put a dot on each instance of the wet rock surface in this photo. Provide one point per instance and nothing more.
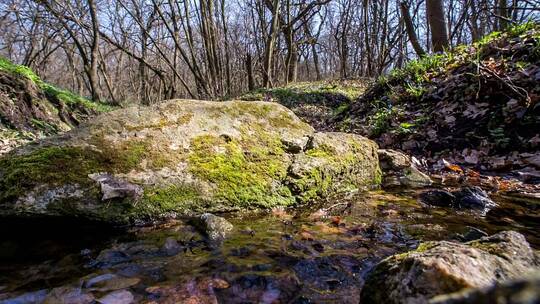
(436, 268)
(465, 198)
(216, 228)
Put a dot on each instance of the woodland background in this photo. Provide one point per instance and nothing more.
(143, 51)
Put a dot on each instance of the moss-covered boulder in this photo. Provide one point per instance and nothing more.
(437, 268)
(182, 157)
(522, 291)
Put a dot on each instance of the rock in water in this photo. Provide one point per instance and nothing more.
(215, 227)
(34, 297)
(522, 291)
(171, 247)
(399, 171)
(473, 198)
(139, 164)
(436, 197)
(117, 297)
(68, 294)
(465, 198)
(437, 268)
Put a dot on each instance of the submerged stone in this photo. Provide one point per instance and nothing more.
(171, 246)
(183, 157)
(214, 227)
(68, 294)
(117, 297)
(473, 198)
(34, 297)
(436, 197)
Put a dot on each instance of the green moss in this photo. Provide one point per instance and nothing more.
(50, 165)
(58, 165)
(322, 151)
(184, 119)
(161, 123)
(323, 92)
(242, 108)
(425, 246)
(377, 179)
(130, 154)
(64, 96)
(242, 178)
(315, 184)
(8, 66)
(158, 200)
(283, 120)
(44, 126)
(335, 172)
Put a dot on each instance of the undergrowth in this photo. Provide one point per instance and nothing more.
(406, 87)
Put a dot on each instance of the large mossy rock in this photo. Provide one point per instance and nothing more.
(182, 157)
(522, 291)
(437, 268)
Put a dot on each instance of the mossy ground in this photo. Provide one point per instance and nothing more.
(65, 96)
(309, 92)
(314, 102)
(31, 108)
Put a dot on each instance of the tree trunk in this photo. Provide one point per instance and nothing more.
(435, 16)
(269, 49)
(503, 16)
(409, 27)
(92, 71)
(316, 61)
(249, 70)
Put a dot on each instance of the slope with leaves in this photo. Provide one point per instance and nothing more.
(478, 104)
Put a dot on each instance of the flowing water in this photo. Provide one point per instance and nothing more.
(306, 255)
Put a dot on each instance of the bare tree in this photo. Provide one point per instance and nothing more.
(437, 23)
(145, 51)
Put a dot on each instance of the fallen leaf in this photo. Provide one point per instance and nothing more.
(336, 220)
(452, 167)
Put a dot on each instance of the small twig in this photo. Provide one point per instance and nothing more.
(508, 83)
(333, 206)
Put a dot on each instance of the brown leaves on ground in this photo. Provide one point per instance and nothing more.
(477, 108)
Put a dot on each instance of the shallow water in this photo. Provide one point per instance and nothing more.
(297, 256)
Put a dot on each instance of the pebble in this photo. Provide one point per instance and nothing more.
(117, 297)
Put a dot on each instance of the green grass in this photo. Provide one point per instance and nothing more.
(309, 92)
(64, 96)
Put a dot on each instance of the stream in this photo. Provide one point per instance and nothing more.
(316, 254)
